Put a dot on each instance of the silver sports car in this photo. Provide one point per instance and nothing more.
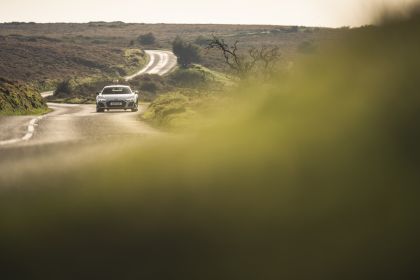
(117, 97)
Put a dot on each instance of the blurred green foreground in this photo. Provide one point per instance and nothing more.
(315, 176)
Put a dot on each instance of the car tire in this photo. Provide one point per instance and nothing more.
(134, 109)
(99, 110)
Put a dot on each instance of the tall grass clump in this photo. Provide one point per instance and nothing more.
(312, 176)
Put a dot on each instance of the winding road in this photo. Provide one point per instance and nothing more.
(71, 124)
(160, 63)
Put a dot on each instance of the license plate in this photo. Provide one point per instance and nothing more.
(116, 103)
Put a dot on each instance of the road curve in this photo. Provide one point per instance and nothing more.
(160, 63)
(81, 122)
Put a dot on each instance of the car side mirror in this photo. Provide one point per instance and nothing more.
(136, 92)
(97, 93)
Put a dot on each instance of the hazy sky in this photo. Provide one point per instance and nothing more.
(294, 12)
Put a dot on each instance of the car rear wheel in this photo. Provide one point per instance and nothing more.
(99, 110)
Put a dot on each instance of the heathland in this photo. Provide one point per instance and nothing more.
(89, 54)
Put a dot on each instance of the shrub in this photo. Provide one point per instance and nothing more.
(147, 39)
(188, 78)
(63, 88)
(167, 108)
(149, 86)
(187, 53)
(16, 97)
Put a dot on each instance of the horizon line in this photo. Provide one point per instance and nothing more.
(173, 23)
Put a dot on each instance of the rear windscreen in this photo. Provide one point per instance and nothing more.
(116, 90)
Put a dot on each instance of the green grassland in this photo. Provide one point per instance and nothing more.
(313, 175)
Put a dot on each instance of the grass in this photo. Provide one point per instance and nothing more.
(193, 92)
(169, 110)
(176, 111)
(216, 76)
(311, 176)
(135, 60)
(18, 98)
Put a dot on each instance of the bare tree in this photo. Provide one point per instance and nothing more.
(263, 59)
(269, 56)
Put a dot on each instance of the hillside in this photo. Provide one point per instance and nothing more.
(40, 59)
(57, 49)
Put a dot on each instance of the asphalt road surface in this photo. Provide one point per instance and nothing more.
(23, 138)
